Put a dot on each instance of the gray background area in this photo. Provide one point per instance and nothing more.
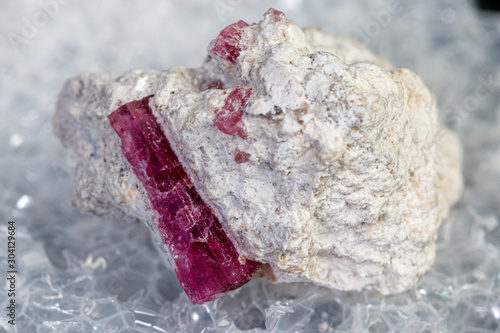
(79, 273)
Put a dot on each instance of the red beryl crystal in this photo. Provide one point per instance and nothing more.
(275, 15)
(229, 118)
(207, 263)
(241, 156)
(227, 44)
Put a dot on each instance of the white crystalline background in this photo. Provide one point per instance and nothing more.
(89, 274)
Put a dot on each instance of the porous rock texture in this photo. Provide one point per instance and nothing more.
(338, 171)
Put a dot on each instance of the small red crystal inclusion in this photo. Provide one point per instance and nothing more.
(241, 156)
(227, 44)
(229, 118)
(207, 263)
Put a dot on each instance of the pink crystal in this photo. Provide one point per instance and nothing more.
(241, 156)
(227, 44)
(207, 263)
(229, 118)
(275, 15)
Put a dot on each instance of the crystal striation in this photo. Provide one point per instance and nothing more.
(207, 263)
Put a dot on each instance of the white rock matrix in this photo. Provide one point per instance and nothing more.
(343, 178)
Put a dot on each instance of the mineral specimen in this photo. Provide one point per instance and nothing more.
(317, 157)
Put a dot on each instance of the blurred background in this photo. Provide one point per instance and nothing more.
(80, 273)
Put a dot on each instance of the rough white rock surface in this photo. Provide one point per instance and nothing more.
(350, 171)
